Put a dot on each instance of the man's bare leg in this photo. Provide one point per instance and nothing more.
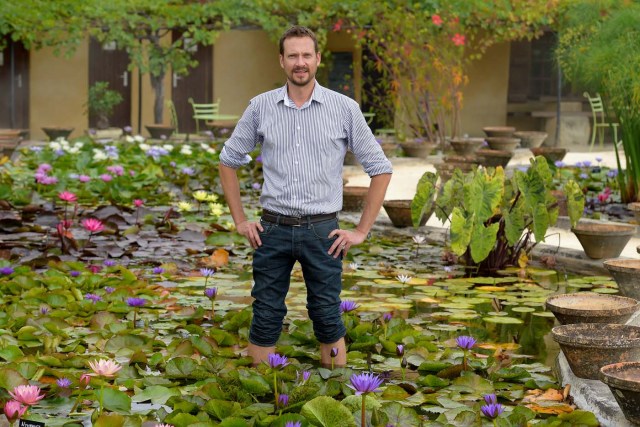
(260, 354)
(325, 354)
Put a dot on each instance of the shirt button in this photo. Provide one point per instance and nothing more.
(295, 179)
(297, 145)
(298, 127)
(296, 162)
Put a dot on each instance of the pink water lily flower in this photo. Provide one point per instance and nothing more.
(93, 225)
(437, 20)
(105, 368)
(27, 394)
(14, 410)
(67, 196)
(458, 39)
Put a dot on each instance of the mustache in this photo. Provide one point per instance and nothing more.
(295, 70)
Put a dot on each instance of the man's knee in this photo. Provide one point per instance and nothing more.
(266, 326)
(327, 323)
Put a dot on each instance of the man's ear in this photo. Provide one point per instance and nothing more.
(281, 61)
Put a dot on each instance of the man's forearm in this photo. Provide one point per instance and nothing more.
(231, 189)
(373, 202)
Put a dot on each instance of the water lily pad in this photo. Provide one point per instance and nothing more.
(504, 320)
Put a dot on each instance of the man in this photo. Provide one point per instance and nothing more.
(304, 131)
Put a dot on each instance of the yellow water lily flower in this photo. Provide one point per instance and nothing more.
(200, 195)
(185, 207)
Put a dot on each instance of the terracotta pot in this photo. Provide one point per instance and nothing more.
(623, 380)
(635, 208)
(591, 307)
(158, 131)
(417, 149)
(531, 139)
(502, 143)
(449, 164)
(350, 159)
(499, 131)
(494, 158)
(626, 273)
(399, 212)
(552, 154)
(55, 132)
(353, 198)
(466, 146)
(590, 346)
(561, 198)
(603, 239)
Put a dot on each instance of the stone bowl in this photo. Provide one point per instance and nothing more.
(530, 138)
(466, 146)
(494, 158)
(502, 143)
(399, 212)
(603, 239)
(353, 198)
(499, 131)
(552, 154)
(623, 380)
(626, 273)
(590, 346)
(591, 307)
(417, 149)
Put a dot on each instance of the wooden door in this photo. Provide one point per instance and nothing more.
(14, 86)
(198, 84)
(107, 63)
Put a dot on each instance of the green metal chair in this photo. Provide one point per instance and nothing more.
(600, 121)
(173, 115)
(206, 112)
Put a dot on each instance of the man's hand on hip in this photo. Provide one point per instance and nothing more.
(250, 230)
(345, 239)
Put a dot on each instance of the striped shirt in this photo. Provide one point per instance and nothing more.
(303, 149)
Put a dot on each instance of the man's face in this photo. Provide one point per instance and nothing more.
(299, 61)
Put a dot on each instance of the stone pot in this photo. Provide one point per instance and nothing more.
(590, 346)
(603, 239)
(502, 143)
(499, 131)
(417, 149)
(353, 198)
(494, 158)
(158, 131)
(350, 159)
(561, 198)
(466, 146)
(626, 273)
(635, 208)
(623, 380)
(399, 212)
(530, 138)
(591, 307)
(552, 154)
(55, 132)
(450, 163)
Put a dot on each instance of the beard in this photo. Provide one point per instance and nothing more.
(301, 81)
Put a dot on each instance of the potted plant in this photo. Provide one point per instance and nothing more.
(493, 218)
(101, 103)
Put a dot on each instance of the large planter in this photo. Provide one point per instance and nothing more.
(451, 163)
(590, 346)
(494, 158)
(417, 149)
(552, 154)
(626, 273)
(55, 132)
(353, 198)
(502, 143)
(591, 307)
(531, 139)
(399, 212)
(623, 380)
(603, 239)
(466, 146)
(159, 131)
(499, 131)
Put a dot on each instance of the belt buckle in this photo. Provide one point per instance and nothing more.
(299, 219)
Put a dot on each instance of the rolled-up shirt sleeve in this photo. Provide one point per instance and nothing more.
(364, 145)
(243, 140)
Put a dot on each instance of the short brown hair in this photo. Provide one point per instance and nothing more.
(298, 31)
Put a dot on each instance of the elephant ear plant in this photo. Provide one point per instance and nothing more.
(493, 217)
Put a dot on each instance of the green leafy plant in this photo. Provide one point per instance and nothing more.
(101, 103)
(494, 217)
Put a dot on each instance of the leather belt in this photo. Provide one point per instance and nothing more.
(296, 221)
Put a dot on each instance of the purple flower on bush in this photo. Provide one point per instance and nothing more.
(365, 383)
(63, 382)
(584, 176)
(612, 173)
(158, 270)
(211, 293)
(346, 306)
(559, 163)
(84, 178)
(93, 297)
(586, 163)
(109, 263)
(188, 171)
(116, 170)
(136, 302)
(106, 177)
(256, 186)
(598, 159)
(578, 164)
(492, 410)
(5, 271)
(127, 129)
(277, 361)
(465, 342)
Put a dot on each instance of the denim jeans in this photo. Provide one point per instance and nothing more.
(282, 246)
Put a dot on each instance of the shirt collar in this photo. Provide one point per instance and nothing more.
(317, 95)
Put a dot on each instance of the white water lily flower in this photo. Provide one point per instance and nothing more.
(230, 226)
(419, 238)
(204, 146)
(99, 154)
(73, 150)
(186, 150)
(211, 151)
(64, 143)
(216, 209)
(138, 138)
(78, 145)
(144, 147)
(353, 265)
(200, 195)
(185, 206)
(168, 147)
(55, 145)
(403, 279)
(129, 139)
(212, 198)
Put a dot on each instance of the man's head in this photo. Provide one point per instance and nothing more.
(299, 56)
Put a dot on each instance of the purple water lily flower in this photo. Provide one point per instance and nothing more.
(277, 361)
(109, 263)
(465, 342)
(293, 424)
(387, 317)
(492, 410)
(63, 382)
(109, 289)
(207, 272)
(346, 306)
(584, 176)
(400, 350)
(490, 398)
(188, 171)
(5, 271)
(365, 383)
(74, 273)
(136, 302)
(305, 376)
(211, 293)
(158, 270)
(93, 297)
(334, 351)
(283, 400)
